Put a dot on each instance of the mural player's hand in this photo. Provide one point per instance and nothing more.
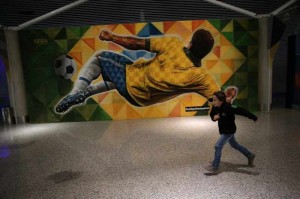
(230, 94)
(105, 35)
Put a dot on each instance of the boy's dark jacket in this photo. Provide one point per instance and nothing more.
(226, 112)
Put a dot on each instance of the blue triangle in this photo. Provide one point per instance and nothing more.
(134, 55)
(149, 30)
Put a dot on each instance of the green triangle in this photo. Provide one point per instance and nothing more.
(240, 38)
(73, 33)
(71, 43)
(229, 36)
(52, 116)
(244, 67)
(252, 51)
(86, 110)
(252, 39)
(252, 24)
(72, 116)
(216, 23)
(243, 49)
(244, 23)
(76, 32)
(62, 43)
(225, 23)
(100, 114)
(90, 101)
(52, 32)
(62, 34)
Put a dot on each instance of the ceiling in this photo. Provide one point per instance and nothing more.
(100, 12)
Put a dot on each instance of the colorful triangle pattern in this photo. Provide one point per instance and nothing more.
(232, 61)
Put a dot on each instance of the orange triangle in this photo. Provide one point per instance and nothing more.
(77, 56)
(132, 113)
(175, 112)
(229, 63)
(90, 42)
(114, 47)
(102, 97)
(217, 51)
(196, 24)
(224, 41)
(211, 63)
(225, 77)
(130, 28)
(168, 25)
(111, 27)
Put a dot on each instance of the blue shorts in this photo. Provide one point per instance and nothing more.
(113, 69)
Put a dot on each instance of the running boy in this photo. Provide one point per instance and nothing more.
(224, 113)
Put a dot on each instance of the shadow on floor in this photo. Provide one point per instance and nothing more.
(235, 168)
(64, 176)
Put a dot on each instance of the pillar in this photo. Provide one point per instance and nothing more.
(16, 82)
(264, 65)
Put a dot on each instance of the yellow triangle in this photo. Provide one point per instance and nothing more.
(243, 94)
(120, 29)
(228, 27)
(139, 26)
(120, 111)
(230, 52)
(159, 26)
(243, 23)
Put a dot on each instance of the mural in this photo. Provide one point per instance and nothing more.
(143, 70)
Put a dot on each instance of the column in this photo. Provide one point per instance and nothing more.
(17, 85)
(264, 65)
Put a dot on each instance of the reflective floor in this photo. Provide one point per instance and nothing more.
(150, 158)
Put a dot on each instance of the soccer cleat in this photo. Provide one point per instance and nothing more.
(251, 160)
(70, 100)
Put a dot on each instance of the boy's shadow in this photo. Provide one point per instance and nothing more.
(236, 168)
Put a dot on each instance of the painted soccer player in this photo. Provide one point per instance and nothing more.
(174, 70)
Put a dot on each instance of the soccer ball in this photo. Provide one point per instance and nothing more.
(65, 66)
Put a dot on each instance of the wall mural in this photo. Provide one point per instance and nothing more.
(142, 70)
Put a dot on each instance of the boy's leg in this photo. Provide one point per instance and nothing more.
(218, 151)
(250, 156)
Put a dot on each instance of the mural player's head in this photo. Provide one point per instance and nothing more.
(201, 43)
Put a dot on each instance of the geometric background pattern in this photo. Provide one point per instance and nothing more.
(233, 61)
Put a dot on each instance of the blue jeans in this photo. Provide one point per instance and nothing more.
(233, 143)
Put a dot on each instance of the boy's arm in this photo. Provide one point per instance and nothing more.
(129, 42)
(213, 113)
(244, 112)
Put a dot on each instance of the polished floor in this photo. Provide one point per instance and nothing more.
(150, 158)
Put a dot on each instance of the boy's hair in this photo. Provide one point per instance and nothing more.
(202, 43)
(220, 95)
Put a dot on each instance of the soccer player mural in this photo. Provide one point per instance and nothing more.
(175, 69)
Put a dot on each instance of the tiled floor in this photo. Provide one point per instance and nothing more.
(150, 158)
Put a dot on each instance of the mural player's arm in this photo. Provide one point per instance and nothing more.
(129, 42)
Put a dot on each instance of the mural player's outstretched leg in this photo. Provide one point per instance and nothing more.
(79, 93)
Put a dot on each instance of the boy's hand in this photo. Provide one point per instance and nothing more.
(216, 117)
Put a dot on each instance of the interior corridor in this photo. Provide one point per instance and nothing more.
(150, 158)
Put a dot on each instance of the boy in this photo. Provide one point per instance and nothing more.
(224, 113)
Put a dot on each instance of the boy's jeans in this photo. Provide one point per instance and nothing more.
(233, 143)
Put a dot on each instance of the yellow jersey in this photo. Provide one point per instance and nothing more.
(168, 74)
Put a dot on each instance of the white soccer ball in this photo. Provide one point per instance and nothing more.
(65, 66)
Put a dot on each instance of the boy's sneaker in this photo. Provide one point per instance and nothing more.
(211, 169)
(251, 160)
